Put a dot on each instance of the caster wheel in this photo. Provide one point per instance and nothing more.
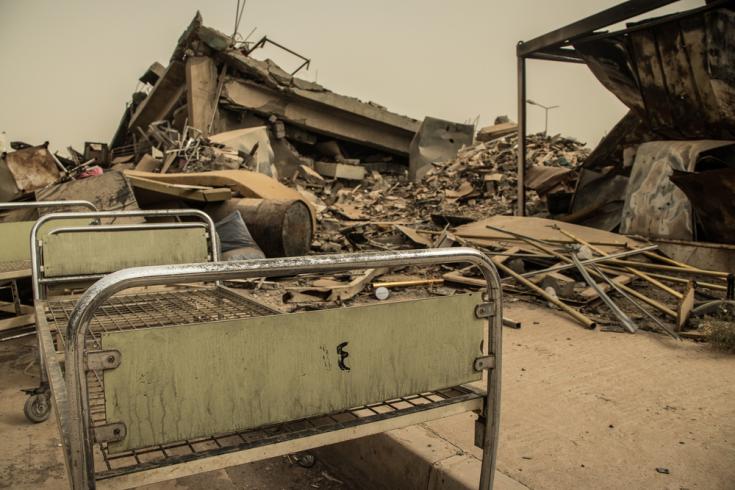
(37, 408)
(306, 460)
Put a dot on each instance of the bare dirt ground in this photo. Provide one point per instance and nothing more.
(581, 409)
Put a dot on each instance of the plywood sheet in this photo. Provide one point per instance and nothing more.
(540, 229)
(101, 252)
(189, 381)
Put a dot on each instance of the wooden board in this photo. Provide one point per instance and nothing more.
(243, 182)
(101, 252)
(539, 228)
(196, 380)
(148, 191)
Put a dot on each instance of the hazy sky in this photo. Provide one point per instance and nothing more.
(69, 66)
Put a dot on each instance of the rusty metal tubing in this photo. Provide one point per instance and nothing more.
(566, 266)
(635, 272)
(80, 433)
(155, 213)
(629, 325)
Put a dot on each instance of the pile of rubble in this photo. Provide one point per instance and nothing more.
(289, 167)
(479, 182)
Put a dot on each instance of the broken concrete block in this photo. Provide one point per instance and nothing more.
(492, 181)
(495, 131)
(340, 170)
(436, 140)
(563, 285)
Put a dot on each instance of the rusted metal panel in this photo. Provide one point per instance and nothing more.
(32, 168)
(678, 76)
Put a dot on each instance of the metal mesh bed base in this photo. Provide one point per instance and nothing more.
(189, 450)
(157, 309)
(195, 305)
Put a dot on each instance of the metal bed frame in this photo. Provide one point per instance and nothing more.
(11, 271)
(38, 407)
(85, 324)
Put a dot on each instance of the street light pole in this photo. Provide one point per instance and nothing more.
(546, 113)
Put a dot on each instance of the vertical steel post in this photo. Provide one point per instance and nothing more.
(521, 200)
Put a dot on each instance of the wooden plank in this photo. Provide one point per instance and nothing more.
(540, 229)
(189, 381)
(17, 321)
(201, 84)
(162, 191)
(101, 252)
(685, 308)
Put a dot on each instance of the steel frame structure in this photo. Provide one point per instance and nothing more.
(555, 46)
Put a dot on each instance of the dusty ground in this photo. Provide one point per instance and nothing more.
(581, 409)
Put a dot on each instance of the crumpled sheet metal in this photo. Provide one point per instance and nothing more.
(678, 76)
(654, 207)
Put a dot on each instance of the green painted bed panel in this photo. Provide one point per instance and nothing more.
(182, 382)
(15, 237)
(101, 252)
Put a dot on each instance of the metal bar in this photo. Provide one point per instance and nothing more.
(607, 17)
(521, 199)
(620, 314)
(670, 268)
(80, 434)
(630, 270)
(663, 277)
(634, 302)
(557, 54)
(648, 24)
(155, 226)
(539, 244)
(577, 315)
(562, 267)
(47, 204)
(156, 213)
